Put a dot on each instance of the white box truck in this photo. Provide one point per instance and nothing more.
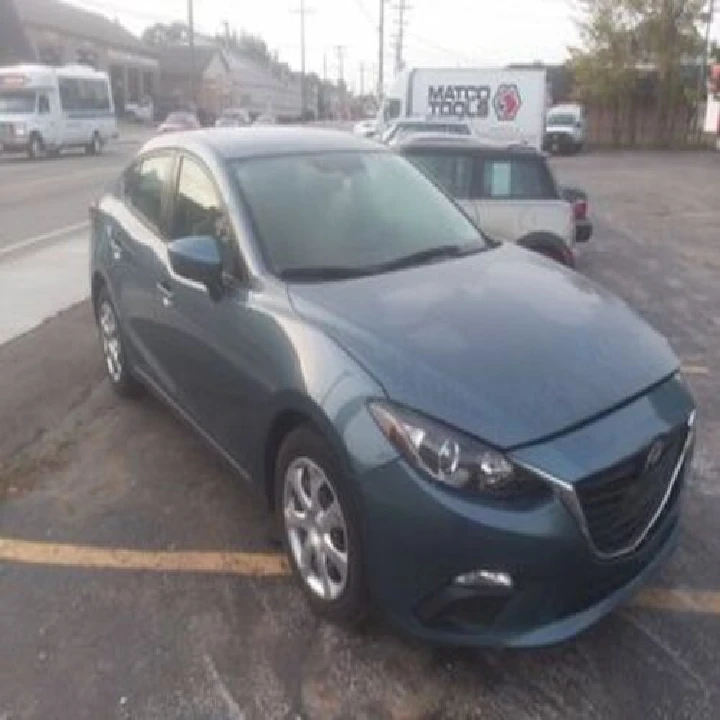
(503, 105)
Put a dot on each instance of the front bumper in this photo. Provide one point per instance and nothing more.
(418, 537)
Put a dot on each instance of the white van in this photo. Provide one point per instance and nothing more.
(502, 105)
(565, 128)
(45, 109)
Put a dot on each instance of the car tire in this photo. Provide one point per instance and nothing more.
(549, 245)
(320, 528)
(36, 147)
(94, 147)
(113, 344)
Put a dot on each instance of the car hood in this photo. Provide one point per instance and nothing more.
(505, 345)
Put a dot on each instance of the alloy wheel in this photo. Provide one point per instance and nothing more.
(112, 346)
(316, 529)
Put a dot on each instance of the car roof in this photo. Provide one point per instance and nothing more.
(446, 141)
(259, 141)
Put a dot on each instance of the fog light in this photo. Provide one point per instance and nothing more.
(485, 578)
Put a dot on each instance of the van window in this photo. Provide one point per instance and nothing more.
(144, 183)
(510, 178)
(84, 94)
(43, 105)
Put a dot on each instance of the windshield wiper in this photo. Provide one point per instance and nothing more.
(330, 272)
(430, 254)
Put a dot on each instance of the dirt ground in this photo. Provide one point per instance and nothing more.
(85, 635)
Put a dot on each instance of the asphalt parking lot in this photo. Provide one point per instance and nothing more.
(139, 578)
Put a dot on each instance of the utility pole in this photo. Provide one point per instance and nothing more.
(302, 11)
(381, 48)
(362, 79)
(340, 51)
(324, 65)
(191, 42)
(401, 7)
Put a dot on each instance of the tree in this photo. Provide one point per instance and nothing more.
(163, 34)
(621, 36)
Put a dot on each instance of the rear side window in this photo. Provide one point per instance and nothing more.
(451, 171)
(514, 178)
(144, 184)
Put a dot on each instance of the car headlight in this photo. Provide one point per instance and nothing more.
(454, 459)
(21, 129)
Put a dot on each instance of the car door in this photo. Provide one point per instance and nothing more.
(514, 195)
(206, 349)
(136, 234)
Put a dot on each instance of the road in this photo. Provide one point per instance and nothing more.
(48, 199)
(139, 578)
(43, 230)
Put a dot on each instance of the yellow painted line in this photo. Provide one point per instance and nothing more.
(695, 370)
(693, 601)
(229, 563)
(263, 564)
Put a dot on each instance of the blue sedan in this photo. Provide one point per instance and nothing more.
(464, 436)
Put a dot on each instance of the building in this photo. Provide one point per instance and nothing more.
(57, 33)
(14, 46)
(214, 79)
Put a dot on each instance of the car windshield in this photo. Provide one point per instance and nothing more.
(350, 213)
(560, 119)
(17, 102)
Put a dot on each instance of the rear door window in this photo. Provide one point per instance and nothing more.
(513, 178)
(451, 171)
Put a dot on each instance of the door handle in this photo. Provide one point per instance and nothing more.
(115, 246)
(166, 293)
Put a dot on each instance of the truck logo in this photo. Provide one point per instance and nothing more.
(459, 100)
(507, 102)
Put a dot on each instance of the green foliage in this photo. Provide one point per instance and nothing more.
(625, 42)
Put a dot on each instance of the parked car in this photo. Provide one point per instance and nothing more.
(403, 128)
(508, 190)
(234, 117)
(179, 121)
(565, 128)
(265, 119)
(142, 111)
(478, 442)
(579, 200)
(366, 128)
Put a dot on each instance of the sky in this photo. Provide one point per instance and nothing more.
(437, 32)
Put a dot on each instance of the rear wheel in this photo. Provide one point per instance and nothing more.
(36, 147)
(549, 245)
(320, 529)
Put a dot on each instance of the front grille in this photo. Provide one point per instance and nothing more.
(620, 503)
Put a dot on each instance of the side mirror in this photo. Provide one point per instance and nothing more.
(198, 258)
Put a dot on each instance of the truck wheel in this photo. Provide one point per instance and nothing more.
(36, 147)
(95, 145)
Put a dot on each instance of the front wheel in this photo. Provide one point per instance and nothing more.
(95, 145)
(36, 147)
(320, 529)
(113, 347)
